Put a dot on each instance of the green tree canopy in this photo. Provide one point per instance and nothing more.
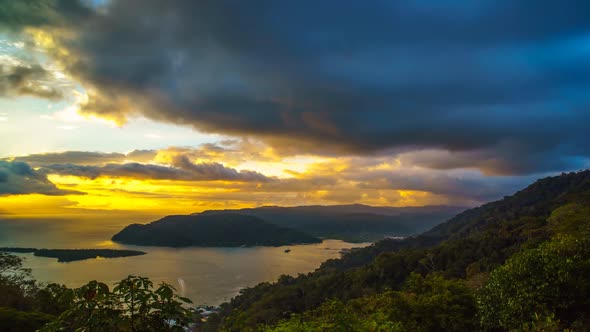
(132, 305)
(546, 283)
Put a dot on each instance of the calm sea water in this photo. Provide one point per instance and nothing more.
(205, 275)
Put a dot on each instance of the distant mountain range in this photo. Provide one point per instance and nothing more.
(354, 222)
(276, 226)
(214, 230)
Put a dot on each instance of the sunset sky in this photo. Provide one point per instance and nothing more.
(179, 106)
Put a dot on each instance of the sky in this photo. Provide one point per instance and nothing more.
(179, 106)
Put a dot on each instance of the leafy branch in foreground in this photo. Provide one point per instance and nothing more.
(132, 305)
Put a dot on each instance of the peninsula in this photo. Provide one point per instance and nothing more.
(70, 255)
(216, 230)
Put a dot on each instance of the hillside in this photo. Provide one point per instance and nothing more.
(514, 245)
(227, 230)
(352, 223)
(524, 211)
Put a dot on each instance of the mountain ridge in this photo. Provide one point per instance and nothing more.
(342, 208)
(352, 222)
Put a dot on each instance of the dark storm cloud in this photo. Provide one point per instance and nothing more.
(459, 186)
(133, 170)
(85, 157)
(216, 171)
(27, 80)
(18, 178)
(505, 159)
(15, 15)
(184, 170)
(506, 80)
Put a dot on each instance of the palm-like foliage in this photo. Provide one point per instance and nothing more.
(132, 305)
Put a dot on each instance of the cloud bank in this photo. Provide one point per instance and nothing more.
(330, 180)
(84, 157)
(466, 101)
(18, 178)
(500, 86)
(184, 170)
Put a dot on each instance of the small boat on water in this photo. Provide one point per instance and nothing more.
(287, 250)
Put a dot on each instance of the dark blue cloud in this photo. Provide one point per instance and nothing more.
(182, 169)
(84, 157)
(18, 178)
(501, 84)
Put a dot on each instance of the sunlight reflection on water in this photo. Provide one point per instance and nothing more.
(207, 275)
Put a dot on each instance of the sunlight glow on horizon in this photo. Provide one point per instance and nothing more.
(180, 126)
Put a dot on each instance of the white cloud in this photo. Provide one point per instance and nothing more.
(10, 61)
(67, 127)
(153, 136)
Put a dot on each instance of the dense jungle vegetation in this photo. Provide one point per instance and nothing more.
(520, 264)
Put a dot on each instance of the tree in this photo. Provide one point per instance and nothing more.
(429, 303)
(572, 219)
(547, 283)
(54, 299)
(21, 321)
(132, 305)
(18, 297)
(16, 283)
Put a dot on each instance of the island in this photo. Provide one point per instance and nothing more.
(70, 255)
(215, 230)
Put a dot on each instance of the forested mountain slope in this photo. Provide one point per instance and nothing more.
(450, 267)
(526, 209)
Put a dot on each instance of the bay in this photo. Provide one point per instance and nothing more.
(205, 275)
